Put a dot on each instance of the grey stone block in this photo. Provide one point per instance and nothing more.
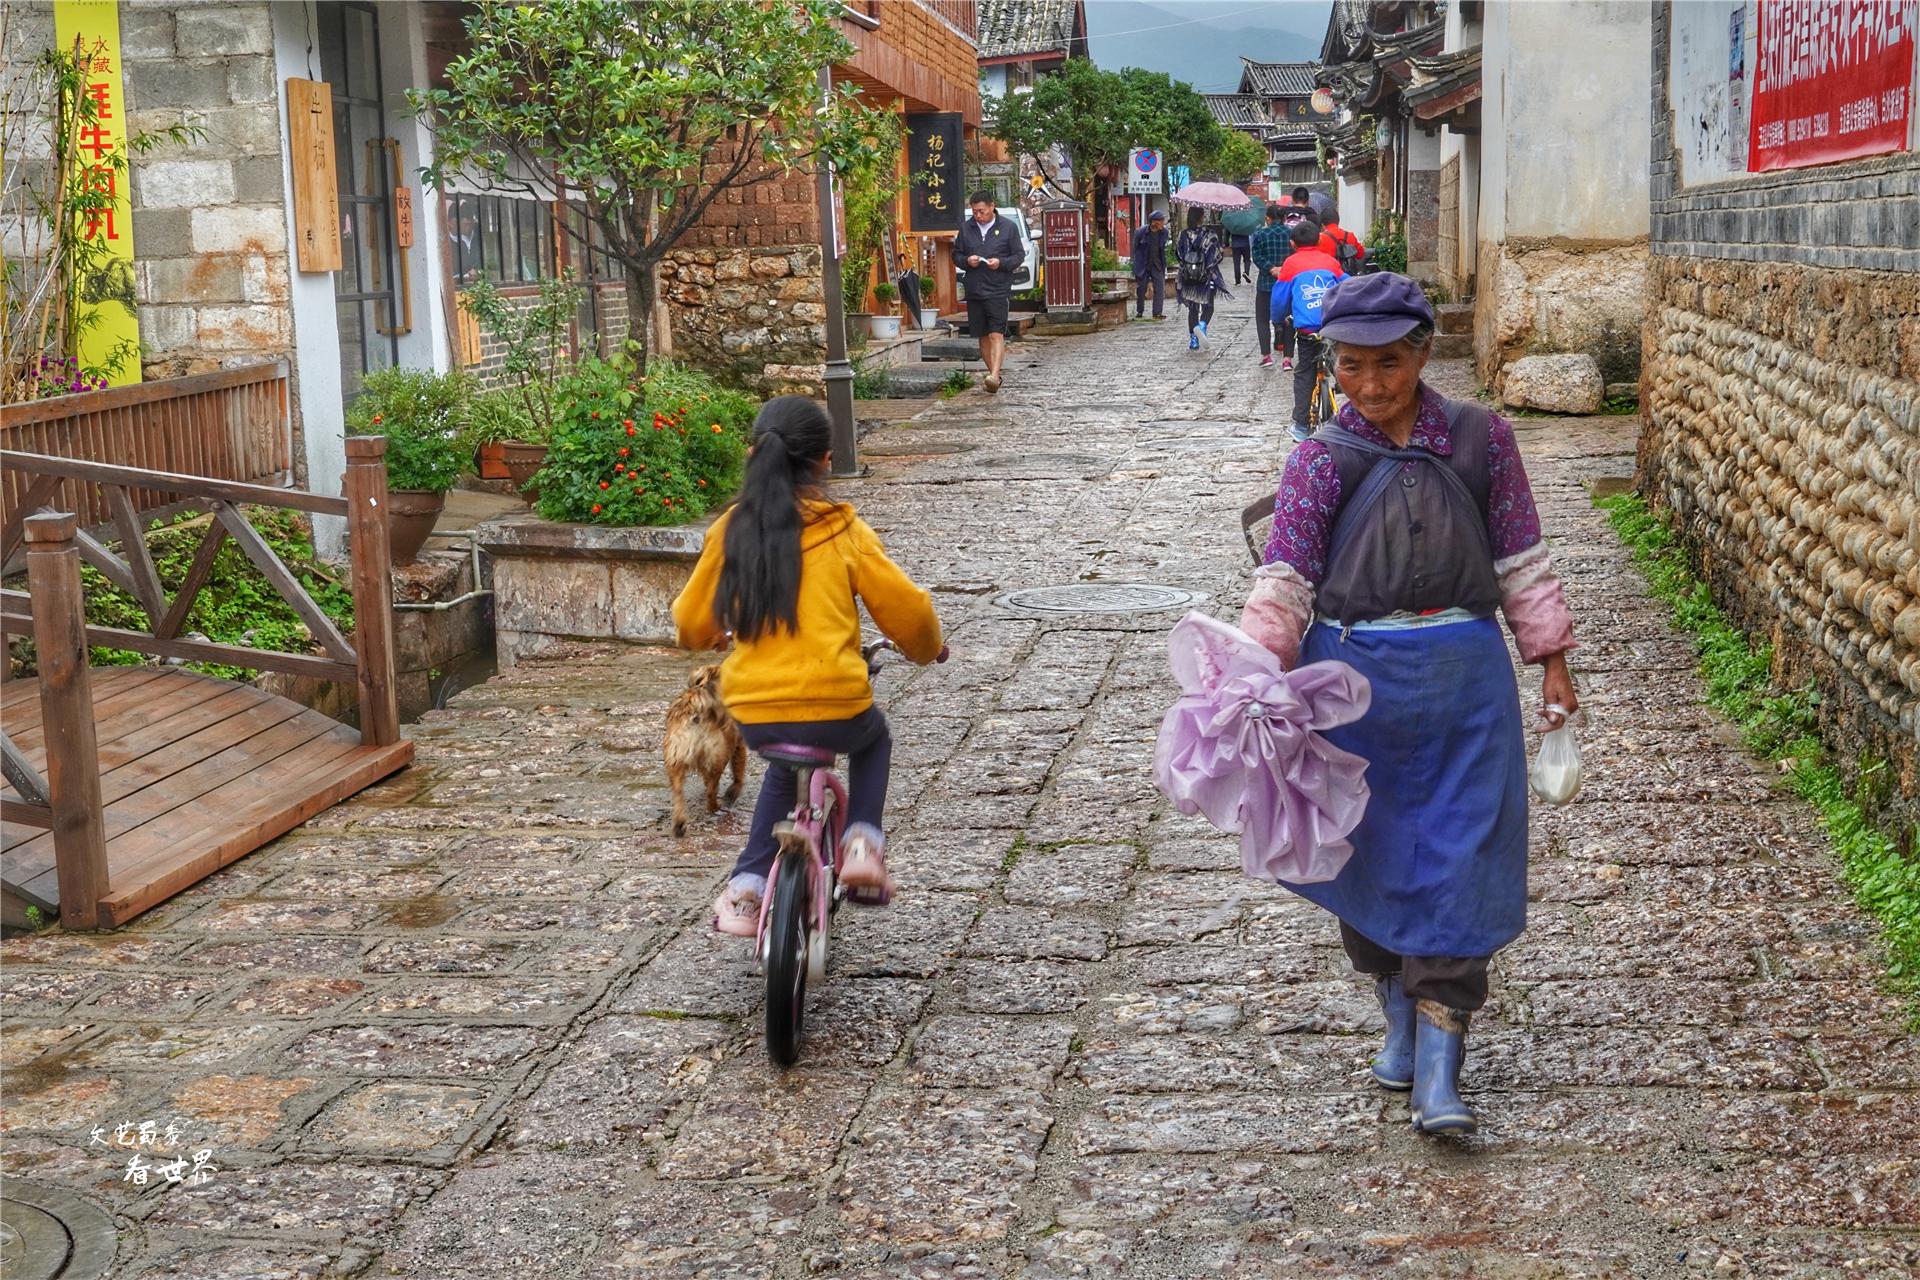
(259, 180)
(202, 278)
(251, 81)
(163, 233)
(145, 33)
(227, 29)
(176, 84)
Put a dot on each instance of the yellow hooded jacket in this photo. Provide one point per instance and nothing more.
(816, 672)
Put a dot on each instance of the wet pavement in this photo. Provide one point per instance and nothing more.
(473, 1022)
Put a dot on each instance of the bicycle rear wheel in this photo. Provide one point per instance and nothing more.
(787, 956)
(1322, 408)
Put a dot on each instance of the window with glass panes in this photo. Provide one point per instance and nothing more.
(364, 287)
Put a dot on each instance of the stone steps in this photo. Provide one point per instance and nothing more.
(1453, 346)
(1455, 317)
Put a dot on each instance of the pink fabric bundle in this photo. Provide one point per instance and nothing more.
(1241, 747)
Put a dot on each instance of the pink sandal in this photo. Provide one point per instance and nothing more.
(863, 866)
(736, 912)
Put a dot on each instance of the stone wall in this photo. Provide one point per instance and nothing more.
(209, 222)
(753, 317)
(1781, 386)
(1542, 297)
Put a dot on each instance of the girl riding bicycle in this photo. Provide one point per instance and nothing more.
(785, 571)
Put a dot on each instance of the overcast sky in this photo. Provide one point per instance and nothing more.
(1202, 41)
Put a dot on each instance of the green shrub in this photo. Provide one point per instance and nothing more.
(237, 605)
(663, 449)
(1387, 242)
(423, 415)
(1103, 259)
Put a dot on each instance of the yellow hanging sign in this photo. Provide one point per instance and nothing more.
(110, 341)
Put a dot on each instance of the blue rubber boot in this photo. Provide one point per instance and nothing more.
(1193, 341)
(1393, 1066)
(1439, 1047)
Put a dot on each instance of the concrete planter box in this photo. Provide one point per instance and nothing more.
(558, 582)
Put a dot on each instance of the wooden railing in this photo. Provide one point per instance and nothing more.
(230, 425)
(52, 611)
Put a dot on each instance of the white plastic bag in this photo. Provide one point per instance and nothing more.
(1556, 770)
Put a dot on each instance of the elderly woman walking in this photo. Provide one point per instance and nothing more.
(1397, 533)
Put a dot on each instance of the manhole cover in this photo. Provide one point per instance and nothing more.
(926, 449)
(1196, 444)
(1101, 597)
(47, 1234)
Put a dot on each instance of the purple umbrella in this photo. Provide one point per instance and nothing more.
(1241, 747)
(1212, 195)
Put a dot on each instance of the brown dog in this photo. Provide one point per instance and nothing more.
(702, 736)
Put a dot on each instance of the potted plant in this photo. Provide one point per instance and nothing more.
(423, 416)
(499, 426)
(519, 419)
(885, 323)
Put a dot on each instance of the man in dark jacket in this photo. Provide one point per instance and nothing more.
(988, 249)
(1150, 266)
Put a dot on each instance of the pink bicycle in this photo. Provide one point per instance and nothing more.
(803, 890)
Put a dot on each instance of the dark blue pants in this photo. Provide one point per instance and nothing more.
(1157, 281)
(1270, 335)
(863, 740)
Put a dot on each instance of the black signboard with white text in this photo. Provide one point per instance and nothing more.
(936, 159)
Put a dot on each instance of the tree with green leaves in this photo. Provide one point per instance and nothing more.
(1099, 116)
(652, 112)
(1237, 159)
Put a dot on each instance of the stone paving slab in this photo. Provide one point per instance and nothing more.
(473, 1022)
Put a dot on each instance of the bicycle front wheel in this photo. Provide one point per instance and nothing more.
(787, 958)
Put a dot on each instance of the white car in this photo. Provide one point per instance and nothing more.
(1028, 273)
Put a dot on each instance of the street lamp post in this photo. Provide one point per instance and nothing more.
(846, 448)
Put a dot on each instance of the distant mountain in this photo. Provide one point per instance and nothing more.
(1202, 41)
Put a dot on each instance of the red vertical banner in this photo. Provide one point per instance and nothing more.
(1832, 80)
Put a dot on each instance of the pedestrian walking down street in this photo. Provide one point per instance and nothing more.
(1242, 245)
(1397, 533)
(1199, 254)
(1149, 260)
(1270, 247)
(989, 250)
(784, 572)
(1301, 287)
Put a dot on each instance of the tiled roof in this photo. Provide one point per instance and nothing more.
(1237, 110)
(1277, 79)
(1011, 27)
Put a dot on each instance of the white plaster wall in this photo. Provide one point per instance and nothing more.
(1356, 206)
(1496, 49)
(1576, 106)
(316, 389)
(1423, 148)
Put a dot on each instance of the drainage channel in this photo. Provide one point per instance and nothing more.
(46, 1234)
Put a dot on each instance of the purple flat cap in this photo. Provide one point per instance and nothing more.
(1371, 311)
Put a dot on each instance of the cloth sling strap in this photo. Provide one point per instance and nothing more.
(1377, 478)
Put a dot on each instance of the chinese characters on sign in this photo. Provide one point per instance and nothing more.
(1832, 81)
(937, 162)
(113, 334)
(157, 1155)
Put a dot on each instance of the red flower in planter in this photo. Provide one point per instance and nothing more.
(624, 451)
(596, 508)
(604, 485)
(596, 413)
(618, 467)
(630, 428)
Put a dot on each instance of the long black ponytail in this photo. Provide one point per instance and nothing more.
(760, 578)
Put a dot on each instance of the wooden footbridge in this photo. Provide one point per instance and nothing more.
(128, 784)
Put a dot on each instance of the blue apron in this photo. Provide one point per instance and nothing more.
(1439, 864)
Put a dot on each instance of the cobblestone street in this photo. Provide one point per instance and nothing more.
(473, 1023)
